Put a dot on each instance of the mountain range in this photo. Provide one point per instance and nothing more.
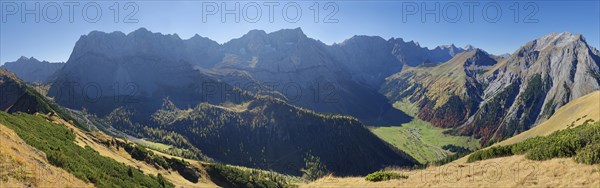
(232, 101)
(286, 64)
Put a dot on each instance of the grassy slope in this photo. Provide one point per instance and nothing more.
(514, 171)
(58, 143)
(94, 140)
(419, 138)
(24, 166)
(152, 145)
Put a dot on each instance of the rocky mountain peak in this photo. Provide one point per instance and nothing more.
(141, 31)
(255, 33)
(558, 40)
(296, 31)
(451, 46)
(365, 40)
(288, 35)
(23, 59)
(478, 51)
(479, 57)
(468, 47)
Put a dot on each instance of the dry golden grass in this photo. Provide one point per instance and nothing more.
(514, 171)
(24, 166)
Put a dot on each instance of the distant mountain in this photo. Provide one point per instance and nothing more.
(412, 54)
(504, 55)
(32, 70)
(136, 72)
(369, 59)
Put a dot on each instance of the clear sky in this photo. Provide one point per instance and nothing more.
(53, 37)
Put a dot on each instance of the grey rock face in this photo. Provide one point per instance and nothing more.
(543, 75)
(307, 73)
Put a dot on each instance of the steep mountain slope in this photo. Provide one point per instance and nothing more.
(530, 85)
(147, 74)
(446, 94)
(32, 70)
(16, 96)
(571, 114)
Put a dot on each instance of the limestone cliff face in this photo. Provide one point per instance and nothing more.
(528, 86)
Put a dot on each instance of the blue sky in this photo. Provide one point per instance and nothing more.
(53, 38)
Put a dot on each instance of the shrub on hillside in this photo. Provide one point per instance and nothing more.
(580, 142)
(499, 151)
(314, 169)
(590, 154)
(384, 176)
(229, 176)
